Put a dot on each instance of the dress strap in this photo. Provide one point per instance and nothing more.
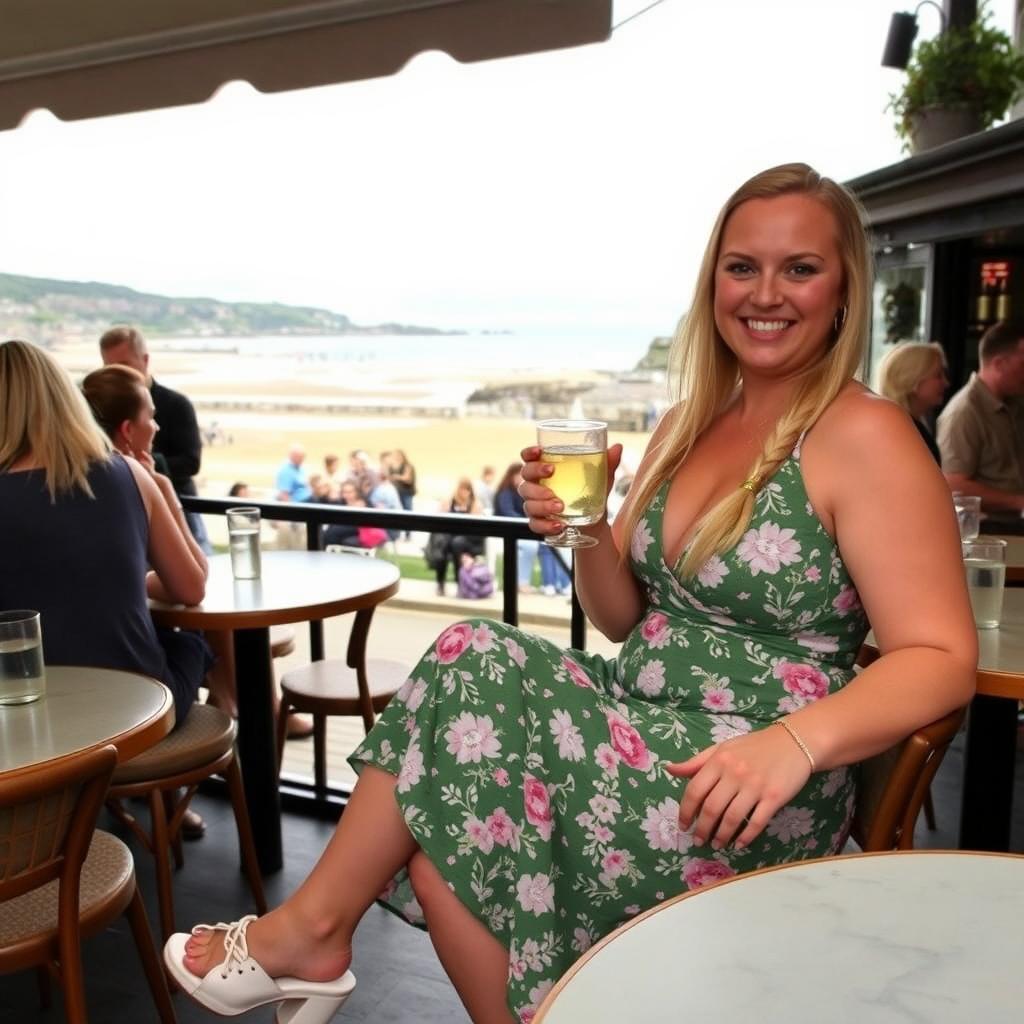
(799, 442)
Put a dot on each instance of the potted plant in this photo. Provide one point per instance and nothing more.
(960, 82)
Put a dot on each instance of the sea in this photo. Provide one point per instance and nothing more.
(615, 350)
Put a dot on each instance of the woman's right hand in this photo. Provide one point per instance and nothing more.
(539, 501)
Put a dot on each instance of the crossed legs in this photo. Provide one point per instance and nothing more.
(310, 935)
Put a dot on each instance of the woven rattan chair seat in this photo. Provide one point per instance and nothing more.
(205, 735)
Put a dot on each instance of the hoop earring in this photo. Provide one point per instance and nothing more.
(839, 320)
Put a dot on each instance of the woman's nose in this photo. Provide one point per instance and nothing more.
(765, 291)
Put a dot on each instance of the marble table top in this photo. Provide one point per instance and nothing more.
(918, 937)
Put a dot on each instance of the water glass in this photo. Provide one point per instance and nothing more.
(578, 451)
(968, 515)
(22, 676)
(244, 539)
(985, 565)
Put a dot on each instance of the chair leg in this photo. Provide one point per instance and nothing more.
(282, 730)
(71, 975)
(170, 806)
(155, 977)
(43, 985)
(320, 754)
(161, 854)
(929, 810)
(246, 843)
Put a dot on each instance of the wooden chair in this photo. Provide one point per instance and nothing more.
(894, 785)
(204, 745)
(354, 686)
(61, 879)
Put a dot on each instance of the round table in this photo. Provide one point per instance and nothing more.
(917, 935)
(83, 709)
(294, 586)
(990, 751)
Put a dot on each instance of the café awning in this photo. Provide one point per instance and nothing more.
(81, 59)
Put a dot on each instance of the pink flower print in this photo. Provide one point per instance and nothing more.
(650, 680)
(712, 572)
(718, 698)
(536, 893)
(655, 630)
(642, 539)
(452, 642)
(412, 769)
(581, 940)
(813, 574)
(537, 805)
(469, 738)
(501, 827)
(515, 652)
(483, 638)
(604, 807)
(412, 693)
(846, 601)
(661, 826)
(700, 872)
(628, 743)
(633, 908)
(579, 677)
(500, 776)
(833, 782)
(517, 970)
(537, 994)
(478, 834)
(584, 819)
(607, 759)
(805, 682)
(726, 727)
(790, 823)
(820, 643)
(615, 863)
(567, 736)
(603, 834)
(768, 548)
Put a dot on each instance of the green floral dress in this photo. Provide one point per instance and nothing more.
(534, 778)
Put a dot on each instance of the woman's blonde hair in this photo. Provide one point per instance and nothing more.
(45, 416)
(706, 373)
(905, 366)
(115, 393)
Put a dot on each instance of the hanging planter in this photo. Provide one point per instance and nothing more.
(958, 83)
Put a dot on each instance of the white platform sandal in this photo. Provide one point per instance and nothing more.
(239, 984)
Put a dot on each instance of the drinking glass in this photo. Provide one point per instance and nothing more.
(22, 676)
(968, 515)
(985, 565)
(244, 538)
(578, 450)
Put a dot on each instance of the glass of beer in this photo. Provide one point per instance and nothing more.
(578, 450)
(244, 538)
(22, 676)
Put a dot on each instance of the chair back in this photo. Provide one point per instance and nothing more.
(893, 786)
(47, 818)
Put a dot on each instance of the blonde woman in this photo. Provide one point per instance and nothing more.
(80, 524)
(913, 375)
(537, 798)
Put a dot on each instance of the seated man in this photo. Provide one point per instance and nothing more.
(981, 447)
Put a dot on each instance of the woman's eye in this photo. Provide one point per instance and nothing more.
(802, 270)
(737, 267)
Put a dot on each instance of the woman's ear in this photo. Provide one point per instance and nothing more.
(123, 436)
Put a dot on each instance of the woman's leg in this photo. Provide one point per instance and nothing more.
(310, 935)
(473, 958)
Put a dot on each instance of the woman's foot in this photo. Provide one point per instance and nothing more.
(192, 826)
(280, 945)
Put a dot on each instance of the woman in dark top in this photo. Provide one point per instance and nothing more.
(508, 503)
(80, 526)
(462, 500)
(914, 375)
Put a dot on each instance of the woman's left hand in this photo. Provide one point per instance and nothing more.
(741, 782)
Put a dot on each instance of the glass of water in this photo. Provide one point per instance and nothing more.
(968, 515)
(985, 565)
(22, 676)
(578, 451)
(244, 538)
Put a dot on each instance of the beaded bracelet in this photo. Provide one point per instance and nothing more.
(799, 742)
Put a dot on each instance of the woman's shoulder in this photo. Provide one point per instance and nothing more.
(858, 418)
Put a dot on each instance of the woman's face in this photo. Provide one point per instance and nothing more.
(139, 432)
(350, 494)
(931, 388)
(778, 284)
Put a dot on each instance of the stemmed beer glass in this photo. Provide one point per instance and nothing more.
(578, 451)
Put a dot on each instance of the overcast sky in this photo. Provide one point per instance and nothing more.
(569, 190)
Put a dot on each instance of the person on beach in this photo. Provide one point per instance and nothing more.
(292, 484)
(462, 502)
(180, 442)
(914, 376)
(508, 502)
(525, 801)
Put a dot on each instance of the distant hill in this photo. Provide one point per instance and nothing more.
(656, 357)
(47, 310)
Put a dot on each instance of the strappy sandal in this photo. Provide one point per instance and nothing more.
(239, 984)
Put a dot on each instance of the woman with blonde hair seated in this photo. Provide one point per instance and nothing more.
(87, 534)
(913, 375)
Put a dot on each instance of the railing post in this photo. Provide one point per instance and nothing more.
(314, 532)
(510, 581)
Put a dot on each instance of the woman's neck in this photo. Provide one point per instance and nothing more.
(916, 407)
